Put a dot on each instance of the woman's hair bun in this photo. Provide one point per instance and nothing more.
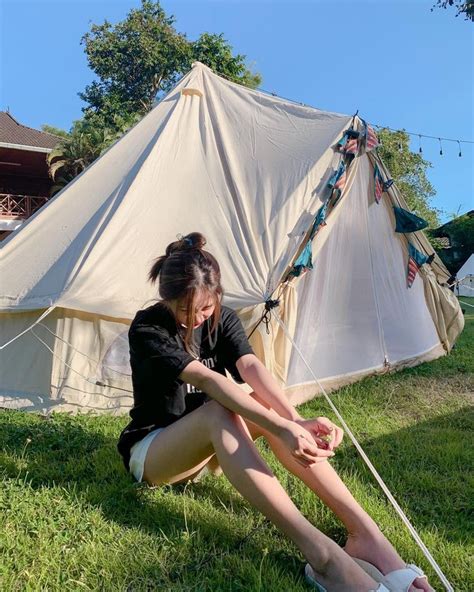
(193, 240)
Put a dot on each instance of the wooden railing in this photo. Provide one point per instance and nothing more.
(20, 206)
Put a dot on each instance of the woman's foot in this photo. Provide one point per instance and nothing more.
(338, 572)
(376, 549)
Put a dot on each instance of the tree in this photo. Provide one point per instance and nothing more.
(143, 56)
(135, 60)
(55, 131)
(465, 7)
(408, 170)
(77, 150)
(215, 52)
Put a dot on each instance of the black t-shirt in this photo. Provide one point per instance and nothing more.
(157, 358)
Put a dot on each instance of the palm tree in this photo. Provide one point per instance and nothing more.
(87, 140)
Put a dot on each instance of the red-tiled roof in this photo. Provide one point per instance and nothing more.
(12, 132)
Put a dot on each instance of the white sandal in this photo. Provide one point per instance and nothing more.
(310, 578)
(398, 580)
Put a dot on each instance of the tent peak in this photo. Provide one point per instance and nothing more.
(200, 65)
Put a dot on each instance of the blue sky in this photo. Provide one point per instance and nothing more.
(396, 62)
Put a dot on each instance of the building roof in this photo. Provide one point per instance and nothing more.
(16, 134)
(444, 229)
(448, 227)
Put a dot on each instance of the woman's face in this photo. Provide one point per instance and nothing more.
(203, 308)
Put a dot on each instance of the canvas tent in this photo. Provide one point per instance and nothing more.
(249, 171)
(465, 275)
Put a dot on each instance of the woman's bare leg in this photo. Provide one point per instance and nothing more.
(184, 447)
(365, 540)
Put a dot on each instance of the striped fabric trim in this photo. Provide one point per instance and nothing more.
(371, 141)
(412, 271)
(378, 184)
(352, 146)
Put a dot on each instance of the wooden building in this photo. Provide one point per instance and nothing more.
(24, 180)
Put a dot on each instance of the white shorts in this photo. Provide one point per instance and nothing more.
(138, 454)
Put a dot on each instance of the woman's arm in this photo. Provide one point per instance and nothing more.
(254, 373)
(231, 396)
(299, 441)
(267, 390)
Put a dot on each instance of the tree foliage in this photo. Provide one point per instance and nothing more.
(465, 7)
(408, 170)
(77, 150)
(143, 56)
(215, 52)
(56, 131)
(135, 61)
(462, 232)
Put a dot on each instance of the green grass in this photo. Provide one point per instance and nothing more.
(72, 519)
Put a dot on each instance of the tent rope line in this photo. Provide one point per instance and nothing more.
(269, 304)
(371, 467)
(82, 353)
(268, 311)
(369, 464)
(29, 328)
(95, 383)
(456, 282)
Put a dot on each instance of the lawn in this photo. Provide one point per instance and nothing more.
(72, 519)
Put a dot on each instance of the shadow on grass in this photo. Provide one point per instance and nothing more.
(427, 467)
(58, 452)
(424, 466)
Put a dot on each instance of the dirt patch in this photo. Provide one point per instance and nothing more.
(420, 398)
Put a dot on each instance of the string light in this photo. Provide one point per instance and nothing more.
(420, 149)
(400, 147)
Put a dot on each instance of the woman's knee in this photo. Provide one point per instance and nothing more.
(220, 419)
(225, 428)
(217, 415)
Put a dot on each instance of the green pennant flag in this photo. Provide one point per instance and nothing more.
(408, 222)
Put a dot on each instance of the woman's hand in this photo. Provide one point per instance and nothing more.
(326, 434)
(302, 444)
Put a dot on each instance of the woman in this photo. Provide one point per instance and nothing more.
(188, 415)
